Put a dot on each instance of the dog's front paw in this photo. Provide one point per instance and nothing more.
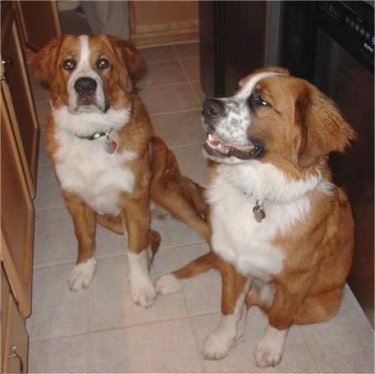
(143, 292)
(270, 349)
(168, 284)
(266, 356)
(217, 345)
(82, 274)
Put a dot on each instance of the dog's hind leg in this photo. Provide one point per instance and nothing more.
(116, 225)
(174, 281)
(111, 223)
(179, 195)
(84, 222)
(234, 290)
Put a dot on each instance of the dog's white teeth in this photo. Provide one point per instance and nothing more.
(213, 140)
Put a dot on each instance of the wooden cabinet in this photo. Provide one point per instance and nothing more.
(19, 151)
(163, 22)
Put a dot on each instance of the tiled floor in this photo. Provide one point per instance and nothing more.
(100, 330)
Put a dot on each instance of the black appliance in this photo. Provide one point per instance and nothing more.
(344, 70)
(236, 37)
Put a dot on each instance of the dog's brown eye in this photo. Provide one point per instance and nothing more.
(257, 99)
(102, 63)
(69, 64)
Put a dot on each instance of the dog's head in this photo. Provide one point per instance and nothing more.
(274, 117)
(88, 73)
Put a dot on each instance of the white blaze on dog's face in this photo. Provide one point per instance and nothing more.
(85, 84)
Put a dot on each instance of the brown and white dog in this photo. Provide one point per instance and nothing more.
(107, 160)
(282, 232)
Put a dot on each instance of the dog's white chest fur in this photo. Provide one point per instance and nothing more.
(85, 168)
(237, 236)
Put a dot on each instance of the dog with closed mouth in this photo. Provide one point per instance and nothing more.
(282, 232)
(107, 160)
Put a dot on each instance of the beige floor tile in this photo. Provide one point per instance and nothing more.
(159, 73)
(111, 305)
(43, 158)
(56, 311)
(345, 344)
(158, 54)
(68, 355)
(55, 242)
(180, 234)
(191, 68)
(187, 50)
(179, 129)
(166, 347)
(197, 88)
(191, 162)
(48, 191)
(169, 98)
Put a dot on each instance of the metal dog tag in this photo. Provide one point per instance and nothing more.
(259, 213)
(111, 143)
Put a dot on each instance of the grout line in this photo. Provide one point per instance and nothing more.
(192, 110)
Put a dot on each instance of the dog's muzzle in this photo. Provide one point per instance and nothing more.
(213, 112)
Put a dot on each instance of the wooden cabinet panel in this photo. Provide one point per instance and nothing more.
(39, 21)
(15, 349)
(5, 291)
(18, 91)
(163, 22)
(17, 216)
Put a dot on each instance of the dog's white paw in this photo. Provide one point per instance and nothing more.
(143, 292)
(82, 274)
(142, 288)
(270, 349)
(217, 345)
(267, 355)
(168, 284)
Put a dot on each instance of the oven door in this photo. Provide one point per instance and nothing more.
(350, 85)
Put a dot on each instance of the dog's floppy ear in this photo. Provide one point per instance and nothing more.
(131, 56)
(323, 127)
(43, 61)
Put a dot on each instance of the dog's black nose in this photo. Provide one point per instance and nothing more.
(85, 86)
(212, 108)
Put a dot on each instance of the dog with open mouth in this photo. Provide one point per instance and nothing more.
(282, 232)
(106, 157)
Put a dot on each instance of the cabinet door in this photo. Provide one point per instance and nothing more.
(39, 22)
(17, 91)
(17, 215)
